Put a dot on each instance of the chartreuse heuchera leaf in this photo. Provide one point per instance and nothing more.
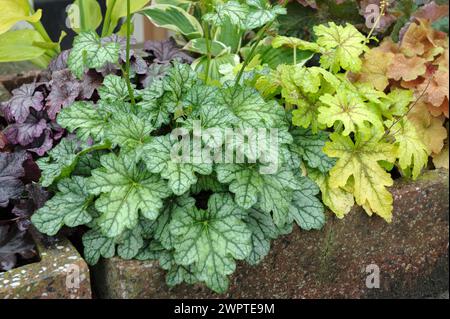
(359, 160)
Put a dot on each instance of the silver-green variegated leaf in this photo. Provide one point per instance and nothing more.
(152, 106)
(161, 155)
(306, 209)
(129, 243)
(129, 131)
(179, 80)
(70, 206)
(251, 109)
(229, 11)
(211, 240)
(161, 225)
(97, 245)
(88, 52)
(114, 88)
(126, 189)
(308, 147)
(262, 12)
(272, 192)
(59, 163)
(263, 231)
(87, 120)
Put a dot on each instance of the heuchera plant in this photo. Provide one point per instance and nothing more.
(124, 175)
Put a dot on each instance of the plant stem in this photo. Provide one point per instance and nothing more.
(82, 17)
(107, 21)
(208, 50)
(41, 30)
(295, 55)
(258, 39)
(127, 66)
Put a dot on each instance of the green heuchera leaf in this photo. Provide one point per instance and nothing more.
(70, 207)
(179, 80)
(151, 104)
(181, 174)
(309, 148)
(262, 12)
(86, 119)
(211, 240)
(306, 209)
(272, 192)
(114, 89)
(360, 160)
(59, 163)
(263, 231)
(342, 46)
(349, 109)
(230, 11)
(89, 52)
(126, 189)
(97, 245)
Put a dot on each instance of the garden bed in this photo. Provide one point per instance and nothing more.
(411, 253)
(61, 273)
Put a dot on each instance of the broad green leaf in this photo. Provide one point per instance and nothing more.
(89, 53)
(161, 155)
(152, 106)
(201, 46)
(309, 147)
(20, 45)
(70, 207)
(97, 245)
(125, 189)
(85, 119)
(341, 46)
(337, 199)
(178, 81)
(211, 239)
(114, 88)
(92, 14)
(347, 108)
(230, 35)
(14, 11)
(360, 161)
(174, 18)
(397, 103)
(306, 209)
(413, 153)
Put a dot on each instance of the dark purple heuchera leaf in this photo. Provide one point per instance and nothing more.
(24, 98)
(36, 198)
(14, 242)
(25, 133)
(11, 171)
(42, 145)
(60, 62)
(164, 52)
(65, 88)
(91, 81)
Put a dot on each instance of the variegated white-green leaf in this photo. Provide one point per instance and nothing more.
(200, 46)
(173, 18)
